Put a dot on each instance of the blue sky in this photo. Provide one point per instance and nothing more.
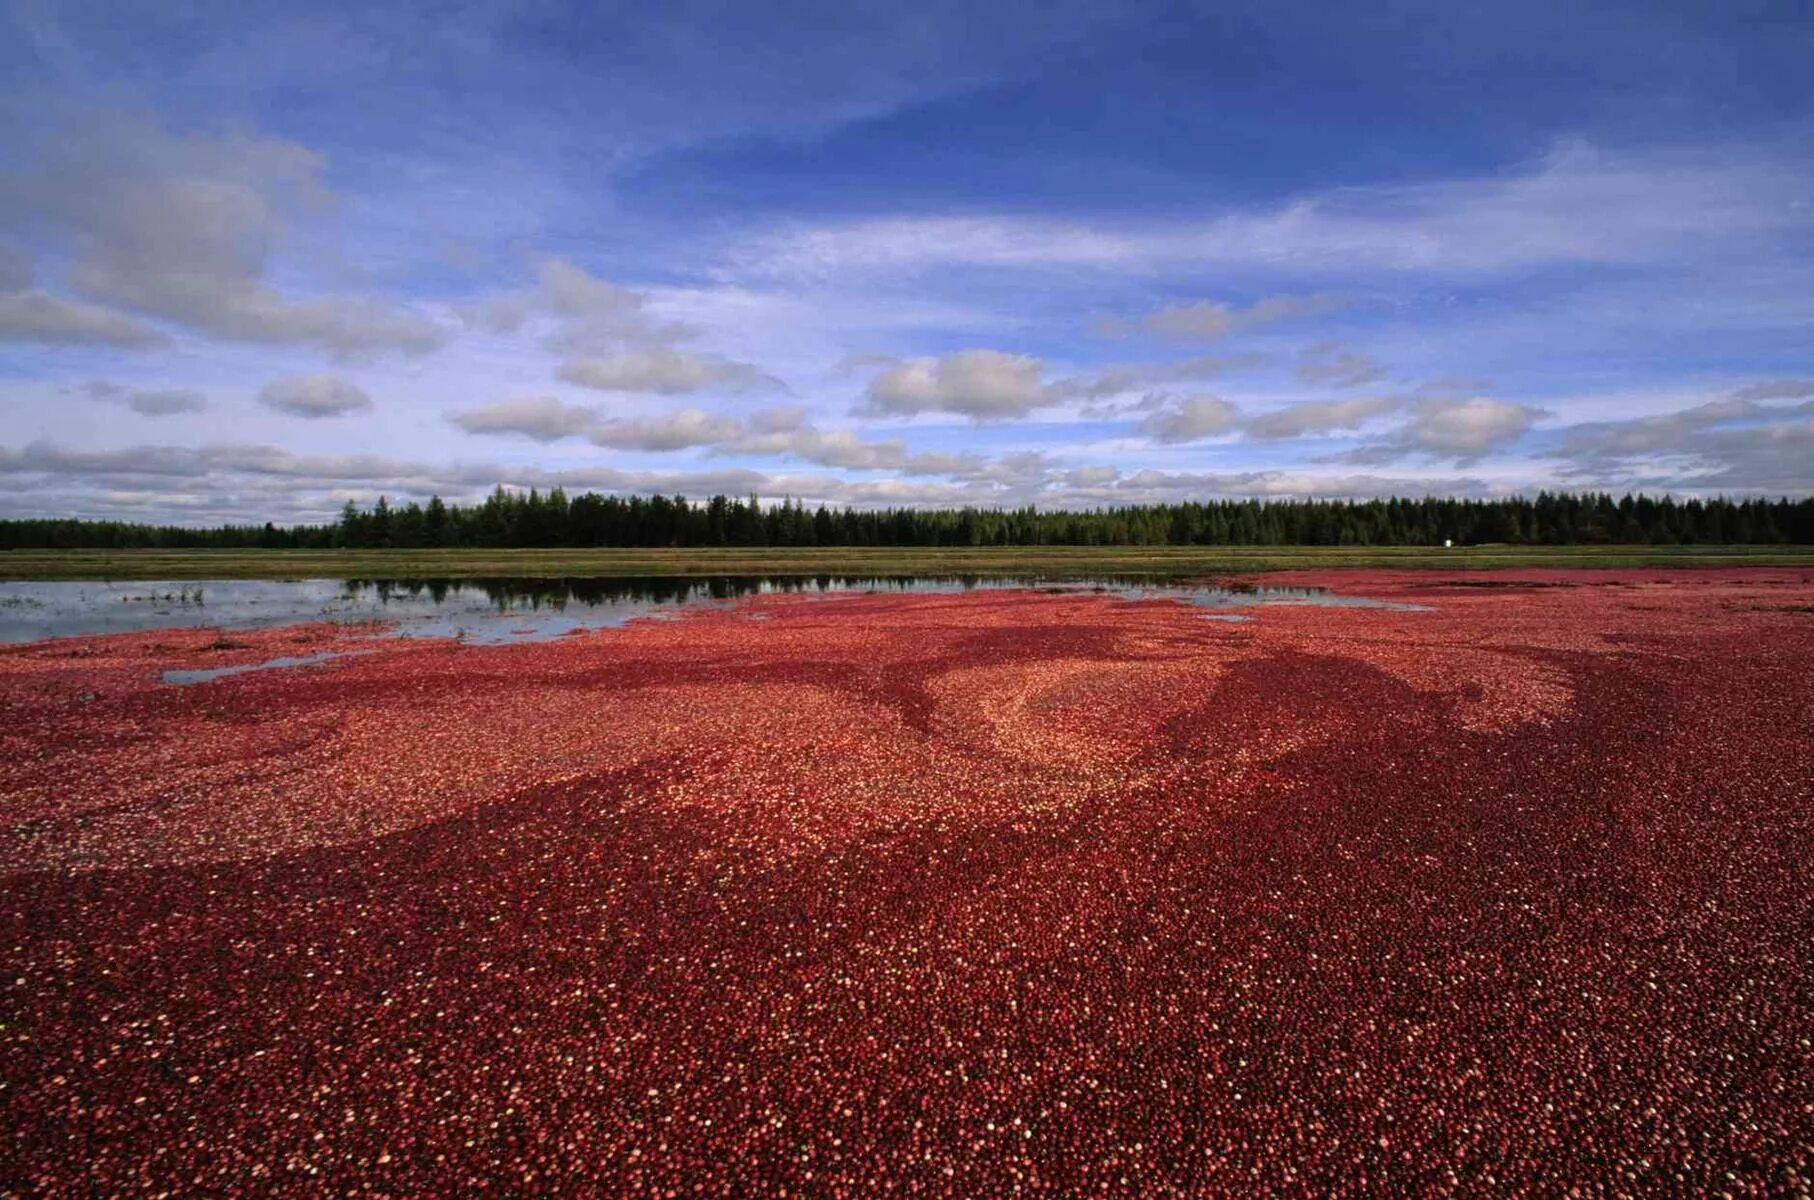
(257, 259)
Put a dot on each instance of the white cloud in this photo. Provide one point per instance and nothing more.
(542, 418)
(844, 449)
(545, 419)
(572, 291)
(781, 419)
(167, 402)
(184, 229)
(1210, 320)
(980, 384)
(34, 316)
(664, 371)
(611, 339)
(254, 483)
(15, 269)
(1740, 442)
(771, 432)
(669, 431)
(152, 402)
(261, 482)
(1317, 416)
(1775, 389)
(589, 314)
(1468, 428)
(1121, 378)
(1154, 486)
(1332, 364)
(314, 396)
(1445, 428)
(1575, 206)
(1187, 418)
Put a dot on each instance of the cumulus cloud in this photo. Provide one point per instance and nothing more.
(546, 419)
(185, 229)
(30, 315)
(983, 385)
(584, 312)
(1445, 428)
(782, 436)
(1467, 429)
(1775, 457)
(610, 339)
(1119, 379)
(779, 419)
(1775, 389)
(1154, 486)
(572, 291)
(783, 432)
(836, 448)
(15, 269)
(254, 483)
(1460, 430)
(314, 396)
(238, 482)
(1091, 477)
(1187, 418)
(669, 431)
(1210, 320)
(152, 402)
(664, 371)
(1317, 416)
(34, 316)
(542, 418)
(1333, 364)
(168, 402)
(1741, 441)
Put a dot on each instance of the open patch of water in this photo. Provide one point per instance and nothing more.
(305, 660)
(498, 611)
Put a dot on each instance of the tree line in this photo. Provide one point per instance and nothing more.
(552, 519)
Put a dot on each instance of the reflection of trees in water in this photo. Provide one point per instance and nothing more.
(556, 594)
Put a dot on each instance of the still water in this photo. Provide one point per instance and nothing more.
(494, 611)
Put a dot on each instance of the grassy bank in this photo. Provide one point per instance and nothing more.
(850, 560)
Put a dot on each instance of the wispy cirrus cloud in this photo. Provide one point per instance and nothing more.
(1576, 205)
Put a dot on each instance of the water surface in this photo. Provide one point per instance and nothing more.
(496, 611)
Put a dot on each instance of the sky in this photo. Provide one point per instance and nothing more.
(259, 259)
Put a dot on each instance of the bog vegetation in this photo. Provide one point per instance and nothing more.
(514, 519)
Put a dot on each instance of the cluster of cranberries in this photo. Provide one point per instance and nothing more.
(943, 895)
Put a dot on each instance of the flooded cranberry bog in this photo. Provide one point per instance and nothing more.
(1469, 883)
